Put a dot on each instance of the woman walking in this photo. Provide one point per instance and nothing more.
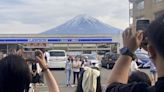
(76, 69)
(68, 68)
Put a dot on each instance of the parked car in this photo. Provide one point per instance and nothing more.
(142, 59)
(109, 59)
(91, 59)
(57, 59)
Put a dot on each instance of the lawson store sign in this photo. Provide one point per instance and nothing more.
(55, 40)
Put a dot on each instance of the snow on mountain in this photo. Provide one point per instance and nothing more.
(83, 25)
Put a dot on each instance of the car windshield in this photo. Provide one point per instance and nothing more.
(90, 57)
(57, 53)
(142, 56)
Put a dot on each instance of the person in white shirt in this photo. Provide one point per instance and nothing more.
(133, 66)
(68, 69)
(46, 55)
(76, 69)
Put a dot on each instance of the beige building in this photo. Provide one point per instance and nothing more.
(145, 9)
(87, 44)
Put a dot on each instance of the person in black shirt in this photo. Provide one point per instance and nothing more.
(35, 76)
(14, 74)
(131, 41)
(139, 76)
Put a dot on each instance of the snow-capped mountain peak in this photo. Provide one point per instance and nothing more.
(83, 25)
(81, 19)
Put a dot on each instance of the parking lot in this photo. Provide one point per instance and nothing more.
(60, 78)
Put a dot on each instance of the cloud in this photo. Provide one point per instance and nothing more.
(119, 23)
(51, 13)
(11, 2)
(19, 28)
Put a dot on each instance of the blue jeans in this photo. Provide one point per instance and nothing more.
(68, 77)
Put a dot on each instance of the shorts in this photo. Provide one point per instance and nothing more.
(153, 71)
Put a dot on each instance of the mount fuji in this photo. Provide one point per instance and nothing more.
(83, 25)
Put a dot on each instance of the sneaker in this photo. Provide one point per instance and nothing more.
(41, 84)
(73, 85)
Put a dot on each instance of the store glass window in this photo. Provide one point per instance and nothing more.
(157, 1)
(140, 5)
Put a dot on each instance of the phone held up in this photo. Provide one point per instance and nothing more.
(142, 25)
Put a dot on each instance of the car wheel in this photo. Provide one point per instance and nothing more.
(107, 66)
(102, 65)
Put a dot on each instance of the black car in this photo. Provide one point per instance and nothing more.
(109, 59)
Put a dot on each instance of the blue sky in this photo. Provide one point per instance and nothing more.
(35, 16)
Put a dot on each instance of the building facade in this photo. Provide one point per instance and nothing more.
(145, 9)
(72, 44)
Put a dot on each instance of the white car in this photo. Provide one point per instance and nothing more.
(92, 59)
(57, 59)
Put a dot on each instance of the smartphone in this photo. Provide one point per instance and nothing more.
(142, 25)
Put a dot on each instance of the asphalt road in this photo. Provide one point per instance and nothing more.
(60, 77)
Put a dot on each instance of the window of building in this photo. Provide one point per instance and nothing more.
(140, 5)
(157, 14)
(87, 52)
(140, 18)
(157, 1)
